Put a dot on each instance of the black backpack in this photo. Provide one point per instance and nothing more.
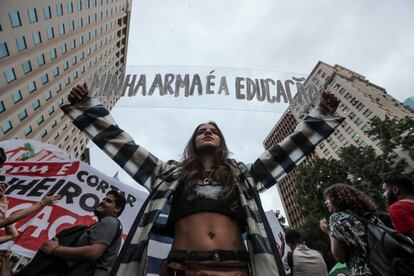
(47, 265)
(389, 253)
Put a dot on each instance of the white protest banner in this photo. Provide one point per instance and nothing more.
(198, 87)
(33, 170)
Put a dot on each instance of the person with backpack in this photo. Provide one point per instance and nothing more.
(80, 250)
(346, 228)
(302, 260)
(399, 192)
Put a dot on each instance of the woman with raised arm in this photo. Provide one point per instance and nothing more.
(8, 221)
(210, 199)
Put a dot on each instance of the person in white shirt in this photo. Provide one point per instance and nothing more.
(302, 260)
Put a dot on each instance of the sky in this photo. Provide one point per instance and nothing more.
(372, 38)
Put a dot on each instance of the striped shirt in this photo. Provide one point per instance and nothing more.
(161, 179)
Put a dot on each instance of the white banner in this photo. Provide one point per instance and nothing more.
(33, 170)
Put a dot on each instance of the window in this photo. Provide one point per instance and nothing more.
(79, 5)
(58, 88)
(46, 12)
(27, 130)
(71, 26)
(40, 120)
(60, 102)
(81, 55)
(349, 130)
(26, 67)
(65, 65)
(61, 29)
(53, 54)
(59, 9)
(37, 39)
(44, 79)
(54, 124)
(367, 113)
(15, 19)
(56, 136)
(70, 7)
(72, 44)
(50, 33)
(326, 152)
(80, 22)
(17, 96)
(365, 128)
(341, 137)
(2, 108)
(55, 72)
(21, 43)
(360, 106)
(31, 87)
(4, 52)
(74, 60)
(48, 95)
(358, 121)
(6, 127)
(36, 104)
(9, 74)
(63, 48)
(81, 40)
(44, 133)
(51, 110)
(41, 59)
(351, 115)
(23, 115)
(31, 13)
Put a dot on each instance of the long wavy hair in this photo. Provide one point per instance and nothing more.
(224, 171)
(346, 197)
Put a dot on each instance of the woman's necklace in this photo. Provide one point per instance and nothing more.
(207, 178)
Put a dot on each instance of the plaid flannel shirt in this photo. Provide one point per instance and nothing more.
(161, 179)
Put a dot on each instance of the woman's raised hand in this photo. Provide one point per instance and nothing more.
(78, 93)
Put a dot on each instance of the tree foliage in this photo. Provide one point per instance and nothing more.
(361, 166)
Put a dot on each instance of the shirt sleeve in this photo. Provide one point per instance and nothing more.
(402, 218)
(104, 231)
(282, 158)
(92, 118)
(346, 229)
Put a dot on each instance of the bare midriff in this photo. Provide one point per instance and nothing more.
(207, 231)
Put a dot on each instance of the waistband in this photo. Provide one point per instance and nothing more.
(214, 255)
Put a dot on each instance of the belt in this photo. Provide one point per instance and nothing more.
(214, 255)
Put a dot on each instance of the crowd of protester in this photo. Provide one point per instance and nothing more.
(350, 212)
(220, 207)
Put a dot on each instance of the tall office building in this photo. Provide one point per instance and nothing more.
(361, 101)
(46, 48)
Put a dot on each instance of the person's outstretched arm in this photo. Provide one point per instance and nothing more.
(11, 231)
(5, 263)
(48, 200)
(92, 118)
(282, 158)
